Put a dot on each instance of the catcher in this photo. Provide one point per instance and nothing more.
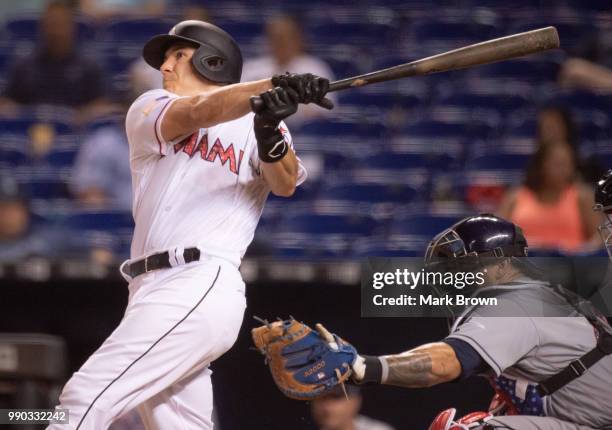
(548, 373)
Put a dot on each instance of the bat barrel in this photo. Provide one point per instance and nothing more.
(490, 51)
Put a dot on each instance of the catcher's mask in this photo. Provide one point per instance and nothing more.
(603, 203)
(475, 242)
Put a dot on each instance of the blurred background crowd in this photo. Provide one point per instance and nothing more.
(389, 167)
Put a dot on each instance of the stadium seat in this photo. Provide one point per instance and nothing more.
(319, 236)
(523, 70)
(87, 219)
(244, 31)
(337, 128)
(135, 30)
(500, 161)
(351, 33)
(412, 233)
(21, 28)
(43, 183)
(417, 159)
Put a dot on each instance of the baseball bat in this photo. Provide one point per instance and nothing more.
(490, 51)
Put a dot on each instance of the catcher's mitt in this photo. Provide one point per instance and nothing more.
(304, 363)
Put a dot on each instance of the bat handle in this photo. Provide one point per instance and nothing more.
(256, 104)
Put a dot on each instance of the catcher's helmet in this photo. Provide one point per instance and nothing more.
(217, 58)
(603, 203)
(469, 243)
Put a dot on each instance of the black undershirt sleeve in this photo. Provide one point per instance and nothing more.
(471, 362)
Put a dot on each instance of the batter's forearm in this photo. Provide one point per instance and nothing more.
(227, 103)
(213, 107)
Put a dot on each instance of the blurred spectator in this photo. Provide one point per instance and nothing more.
(101, 175)
(19, 237)
(288, 54)
(591, 69)
(56, 73)
(556, 124)
(335, 412)
(553, 207)
(105, 9)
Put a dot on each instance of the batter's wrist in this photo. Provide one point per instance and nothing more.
(271, 144)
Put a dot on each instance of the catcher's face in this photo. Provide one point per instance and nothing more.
(179, 75)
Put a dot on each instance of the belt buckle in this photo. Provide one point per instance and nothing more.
(146, 262)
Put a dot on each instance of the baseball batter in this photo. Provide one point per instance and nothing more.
(202, 166)
(545, 351)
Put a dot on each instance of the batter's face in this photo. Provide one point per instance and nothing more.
(179, 75)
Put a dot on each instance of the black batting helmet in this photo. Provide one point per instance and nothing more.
(217, 57)
(603, 203)
(474, 241)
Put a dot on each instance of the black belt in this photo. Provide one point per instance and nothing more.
(158, 261)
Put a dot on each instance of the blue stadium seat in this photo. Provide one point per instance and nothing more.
(410, 234)
(90, 219)
(503, 103)
(384, 246)
(462, 32)
(500, 161)
(523, 70)
(328, 224)
(43, 183)
(369, 193)
(135, 30)
(583, 100)
(13, 151)
(425, 225)
(351, 33)
(382, 100)
(22, 125)
(319, 236)
(244, 31)
(406, 161)
(334, 128)
(108, 229)
(26, 28)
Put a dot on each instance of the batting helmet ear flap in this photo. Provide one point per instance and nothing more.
(212, 64)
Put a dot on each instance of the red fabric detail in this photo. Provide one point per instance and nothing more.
(474, 417)
(485, 195)
(203, 146)
(179, 145)
(224, 155)
(190, 147)
(444, 420)
(501, 403)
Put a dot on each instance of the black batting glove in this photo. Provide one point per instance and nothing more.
(278, 104)
(310, 88)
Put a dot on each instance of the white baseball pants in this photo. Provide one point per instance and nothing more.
(176, 323)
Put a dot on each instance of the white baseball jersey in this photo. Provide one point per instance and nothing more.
(204, 189)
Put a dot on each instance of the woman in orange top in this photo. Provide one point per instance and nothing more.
(553, 208)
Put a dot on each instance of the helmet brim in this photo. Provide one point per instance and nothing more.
(155, 49)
